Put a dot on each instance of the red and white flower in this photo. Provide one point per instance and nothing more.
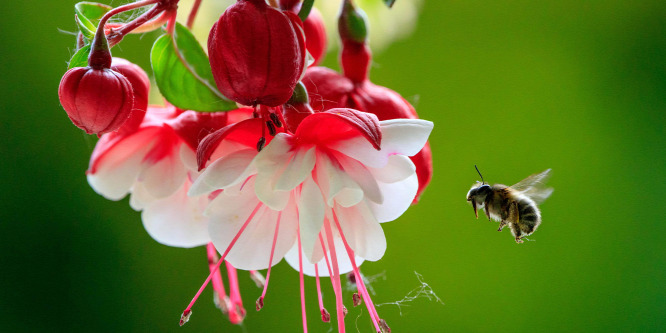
(323, 189)
(156, 164)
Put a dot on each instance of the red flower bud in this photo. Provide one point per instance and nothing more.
(140, 83)
(315, 35)
(96, 100)
(257, 53)
(328, 89)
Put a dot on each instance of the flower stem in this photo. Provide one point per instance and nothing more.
(193, 13)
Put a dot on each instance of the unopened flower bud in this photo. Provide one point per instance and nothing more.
(257, 53)
(96, 100)
(140, 83)
(315, 35)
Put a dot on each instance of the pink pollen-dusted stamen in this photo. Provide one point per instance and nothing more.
(335, 278)
(221, 298)
(260, 301)
(237, 313)
(360, 284)
(188, 311)
(302, 281)
(325, 316)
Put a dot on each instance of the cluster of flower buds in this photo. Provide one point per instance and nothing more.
(305, 169)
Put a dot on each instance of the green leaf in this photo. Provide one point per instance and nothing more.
(186, 82)
(389, 3)
(80, 58)
(88, 15)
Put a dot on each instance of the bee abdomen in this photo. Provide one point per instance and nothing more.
(529, 218)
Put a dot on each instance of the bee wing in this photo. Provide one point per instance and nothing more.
(534, 186)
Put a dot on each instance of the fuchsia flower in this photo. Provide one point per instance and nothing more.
(156, 164)
(320, 192)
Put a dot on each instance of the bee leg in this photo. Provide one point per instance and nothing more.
(476, 213)
(515, 230)
(487, 210)
(502, 225)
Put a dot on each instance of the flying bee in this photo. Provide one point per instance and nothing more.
(514, 205)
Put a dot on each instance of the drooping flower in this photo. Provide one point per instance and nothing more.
(156, 164)
(257, 53)
(320, 191)
(353, 89)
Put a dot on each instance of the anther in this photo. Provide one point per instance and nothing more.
(384, 326)
(325, 316)
(344, 311)
(271, 128)
(351, 277)
(276, 120)
(261, 143)
(356, 299)
(260, 303)
(185, 317)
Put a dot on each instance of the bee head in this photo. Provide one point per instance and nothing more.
(478, 192)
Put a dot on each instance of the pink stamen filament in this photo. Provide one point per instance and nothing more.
(325, 316)
(188, 311)
(323, 247)
(360, 284)
(335, 278)
(218, 284)
(260, 302)
(237, 312)
(302, 281)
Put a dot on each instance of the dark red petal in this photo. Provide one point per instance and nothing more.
(339, 124)
(247, 132)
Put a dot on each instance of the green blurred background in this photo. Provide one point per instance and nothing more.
(512, 86)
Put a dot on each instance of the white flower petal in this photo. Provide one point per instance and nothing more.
(398, 168)
(335, 183)
(189, 158)
(140, 198)
(398, 197)
(253, 248)
(362, 231)
(164, 177)
(263, 188)
(297, 170)
(362, 176)
(311, 210)
(177, 220)
(344, 265)
(119, 167)
(399, 136)
(225, 172)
